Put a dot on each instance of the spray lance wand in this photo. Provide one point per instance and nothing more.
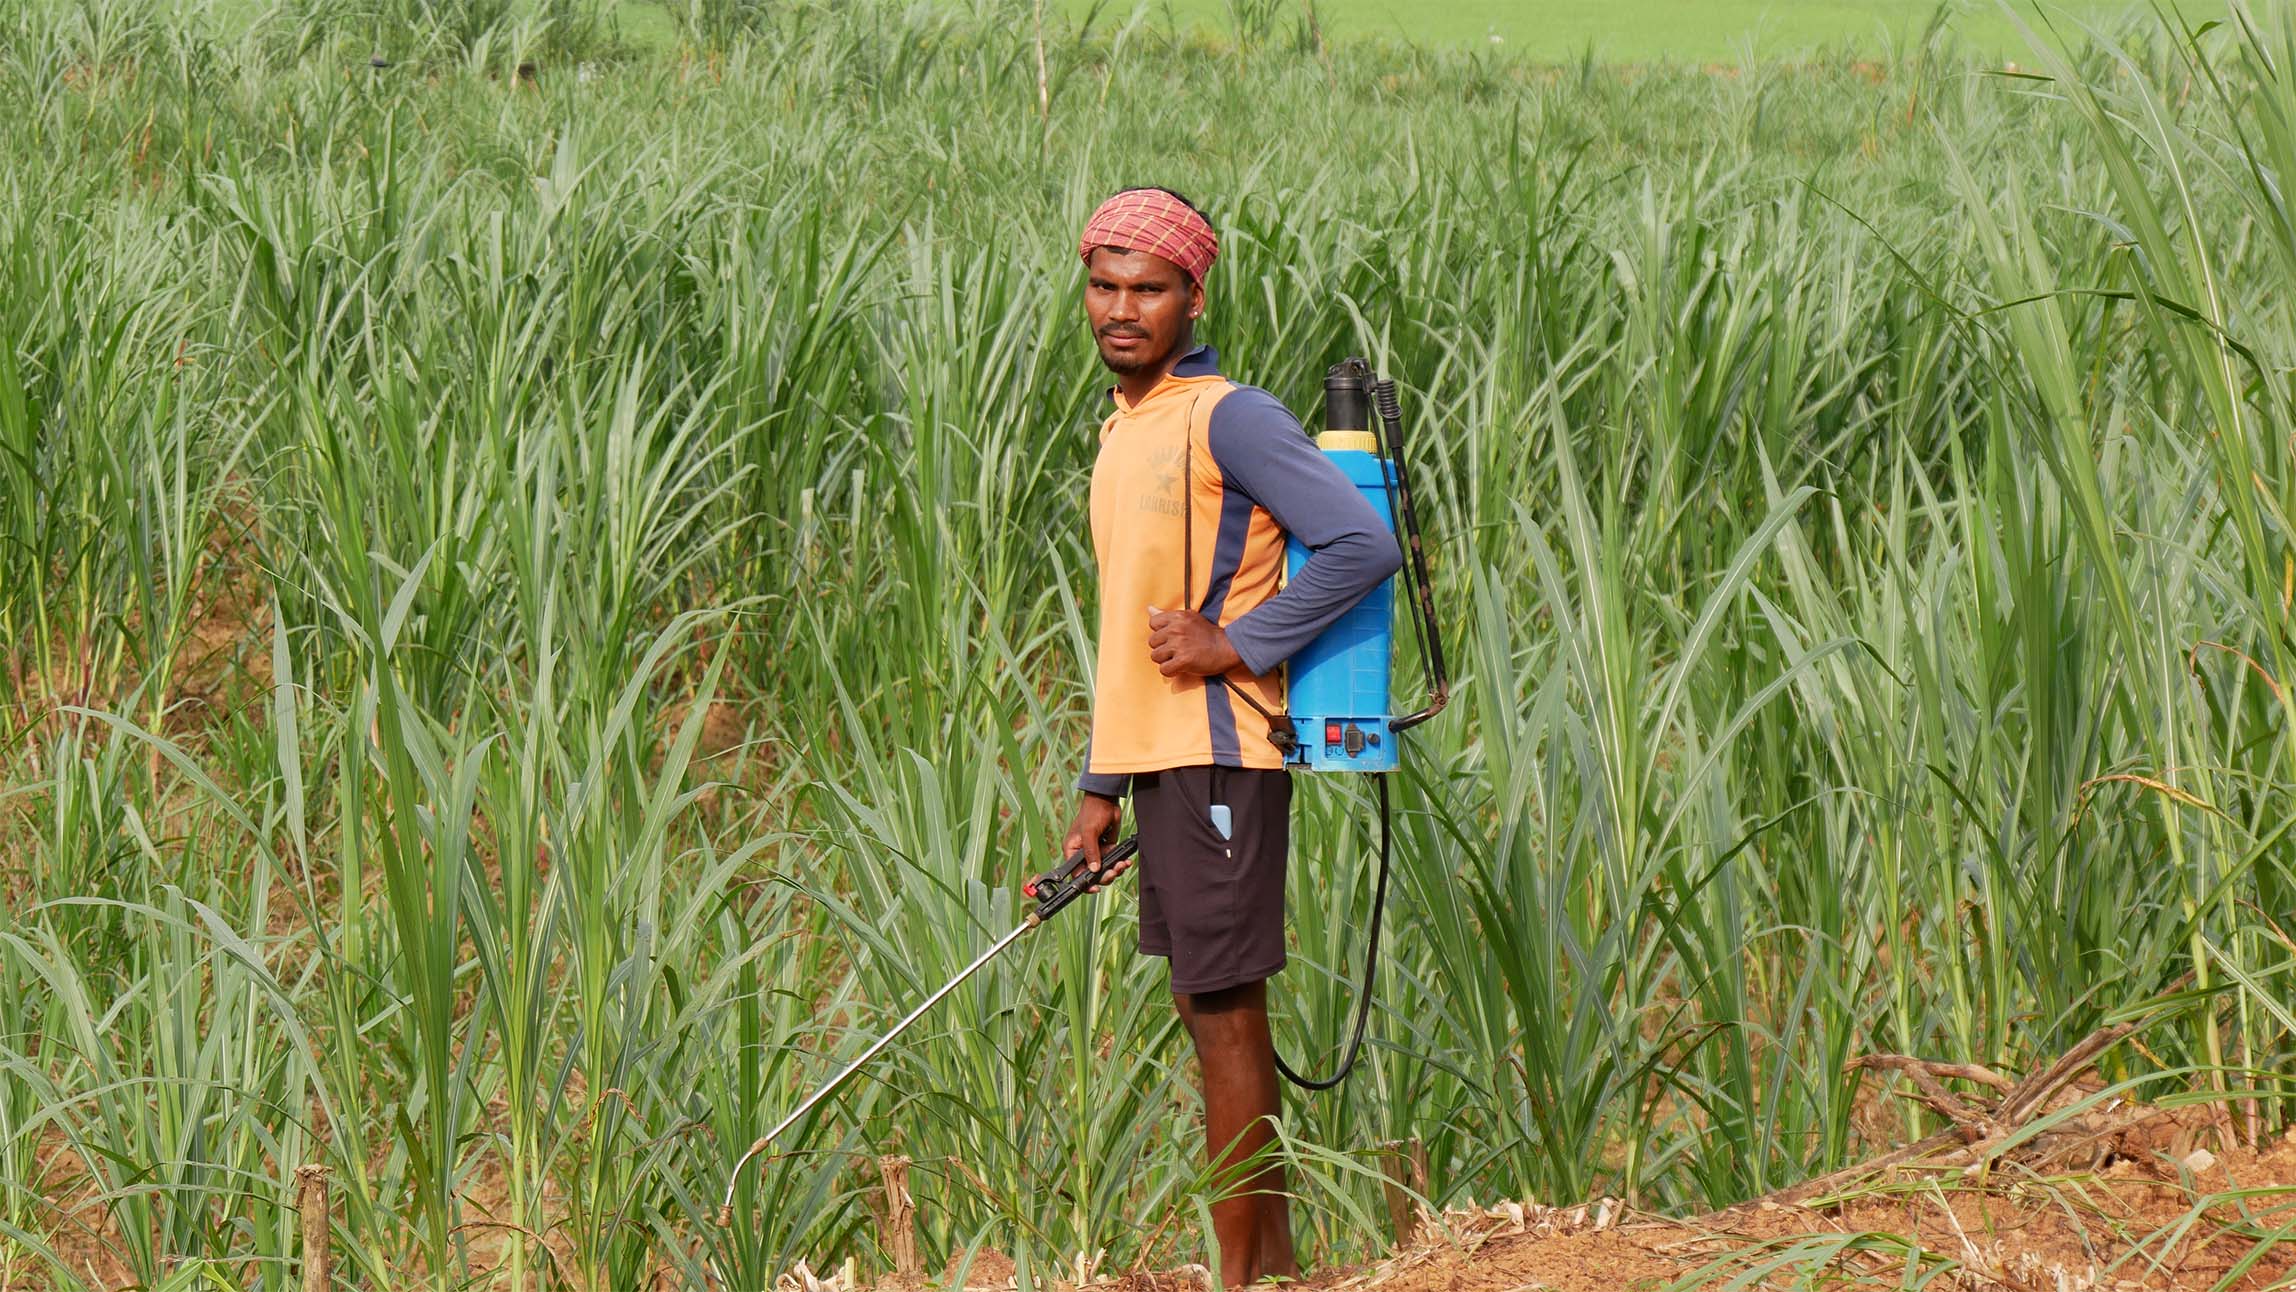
(1053, 892)
(1339, 717)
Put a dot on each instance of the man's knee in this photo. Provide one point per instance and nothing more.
(1250, 997)
(1223, 1019)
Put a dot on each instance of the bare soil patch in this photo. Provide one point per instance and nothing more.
(2146, 1209)
(2138, 1223)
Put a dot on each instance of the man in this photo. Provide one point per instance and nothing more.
(1197, 483)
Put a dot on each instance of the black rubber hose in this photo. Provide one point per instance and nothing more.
(1370, 963)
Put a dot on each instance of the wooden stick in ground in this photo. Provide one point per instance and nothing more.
(897, 1218)
(317, 1215)
(1403, 1163)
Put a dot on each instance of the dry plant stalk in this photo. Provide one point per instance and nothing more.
(1980, 1133)
(316, 1214)
(897, 1217)
(1404, 1164)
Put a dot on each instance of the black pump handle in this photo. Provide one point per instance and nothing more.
(1420, 592)
(1055, 889)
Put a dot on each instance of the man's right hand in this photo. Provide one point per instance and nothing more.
(1094, 828)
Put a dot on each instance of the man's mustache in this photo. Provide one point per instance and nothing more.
(1117, 330)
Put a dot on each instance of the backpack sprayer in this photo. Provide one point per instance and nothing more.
(1340, 717)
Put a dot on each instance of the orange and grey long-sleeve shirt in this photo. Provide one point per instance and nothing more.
(1251, 476)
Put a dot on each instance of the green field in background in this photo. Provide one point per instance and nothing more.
(1642, 30)
(1619, 31)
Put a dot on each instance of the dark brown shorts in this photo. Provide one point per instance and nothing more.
(1213, 906)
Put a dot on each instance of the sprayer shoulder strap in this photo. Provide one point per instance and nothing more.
(1279, 724)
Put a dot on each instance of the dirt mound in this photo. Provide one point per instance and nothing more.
(2047, 1183)
(2141, 1220)
(2206, 1221)
(2050, 1186)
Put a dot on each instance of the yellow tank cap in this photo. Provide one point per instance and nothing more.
(1335, 441)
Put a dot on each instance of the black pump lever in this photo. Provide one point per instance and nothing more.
(1422, 595)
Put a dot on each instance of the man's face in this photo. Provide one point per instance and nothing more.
(1141, 307)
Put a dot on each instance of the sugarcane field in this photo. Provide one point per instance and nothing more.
(1147, 645)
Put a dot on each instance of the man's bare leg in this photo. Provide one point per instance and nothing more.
(1253, 1224)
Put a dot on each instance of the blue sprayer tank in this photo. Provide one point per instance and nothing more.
(1339, 688)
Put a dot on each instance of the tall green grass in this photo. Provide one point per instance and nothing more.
(542, 615)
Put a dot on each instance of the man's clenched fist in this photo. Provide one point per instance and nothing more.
(1185, 644)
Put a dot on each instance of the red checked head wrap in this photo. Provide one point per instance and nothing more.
(1154, 221)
